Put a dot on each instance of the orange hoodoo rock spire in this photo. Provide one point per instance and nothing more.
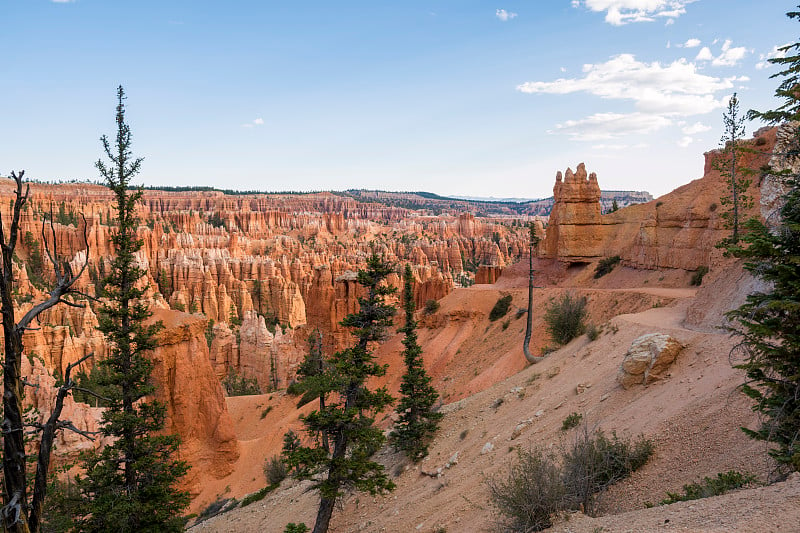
(575, 218)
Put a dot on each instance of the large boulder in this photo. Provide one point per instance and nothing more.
(648, 359)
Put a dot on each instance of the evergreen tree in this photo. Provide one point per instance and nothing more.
(737, 179)
(418, 422)
(769, 322)
(347, 418)
(130, 485)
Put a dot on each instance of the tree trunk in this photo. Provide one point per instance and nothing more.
(532, 359)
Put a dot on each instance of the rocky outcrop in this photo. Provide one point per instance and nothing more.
(678, 230)
(572, 232)
(647, 359)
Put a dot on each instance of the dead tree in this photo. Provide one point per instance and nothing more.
(16, 514)
(534, 241)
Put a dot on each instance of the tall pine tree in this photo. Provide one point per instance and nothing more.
(769, 322)
(736, 200)
(129, 486)
(418, 422)
(347, 418)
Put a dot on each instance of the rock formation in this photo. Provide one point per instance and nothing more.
(648, 359)
(572, 230)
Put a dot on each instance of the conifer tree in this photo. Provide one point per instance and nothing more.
(418, 422)
(736, 199)
(769, 322)
(130, 485)
(347, 418)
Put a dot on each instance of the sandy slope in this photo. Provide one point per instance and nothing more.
(693, 416)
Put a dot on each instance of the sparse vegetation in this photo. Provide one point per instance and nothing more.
(699, 274)
(500, 308)
(572, 420)
(258, 495)
(539, 485)
(275, 470)
(238, 385)
(291, 527)
(565, 317)
(593, 332)
(606, 265)
(721, 484)
(431, 306)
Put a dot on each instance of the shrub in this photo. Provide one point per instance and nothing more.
(710, 487)
(571, 421)
(506, 323)
(258, 495)
(275, 470)
(697, 277)
(605, 266)
(595, 462)
(530, 494)
(565, 317)
(291, 527)
(501, 308)
(236, 385)
(593, 332)
(431, 306)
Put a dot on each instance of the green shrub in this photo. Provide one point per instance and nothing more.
(593, 332)
(606, 265)
(431, 306)
(275, 470)
(699, 274)
(506, 323)
(291, 527)
(236, 385)
(571, 421)
(710, 487)
(594, 462)
(500, 308)
(531, 493)
(258, 495)
(565, 318)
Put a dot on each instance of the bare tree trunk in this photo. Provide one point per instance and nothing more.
(532, 359)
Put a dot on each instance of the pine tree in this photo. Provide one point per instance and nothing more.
(769, 322)
(347, 419)
(736, 176)
(418, 422)
(130, 485)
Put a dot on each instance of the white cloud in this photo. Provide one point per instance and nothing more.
(257, 122)
(691, 43)
(683, 142)
(697, 127)
(704, 54)
(619, 12)
(563, 69)
(605, 126)
(775, 53)
(504, 15)
(729, 56)
(660, 94)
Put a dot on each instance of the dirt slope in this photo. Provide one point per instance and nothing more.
(494, 404)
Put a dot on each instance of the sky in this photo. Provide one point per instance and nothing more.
(457, 97)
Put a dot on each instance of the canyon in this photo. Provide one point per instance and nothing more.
(240, 282)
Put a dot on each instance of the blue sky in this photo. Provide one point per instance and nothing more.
(460, 97)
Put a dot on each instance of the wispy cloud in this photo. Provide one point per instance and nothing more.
(775, 53)
(620, 12)
(504, 15)
(661, 94)
(729, 55)
(690, 43)
(683, 142)
(257, 122)
(697, 127)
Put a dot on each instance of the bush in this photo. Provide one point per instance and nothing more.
(531, 493)
(697, 277)
(291, 527)
(571, 421)
(595, 462)
(501, 308)
(275, 470)
(236, 385)
(605, 266)
(593, 332)
(710, 487)
(565, 318)
(258, 495)
(431, 306)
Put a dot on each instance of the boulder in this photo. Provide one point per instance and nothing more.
(648, 359)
